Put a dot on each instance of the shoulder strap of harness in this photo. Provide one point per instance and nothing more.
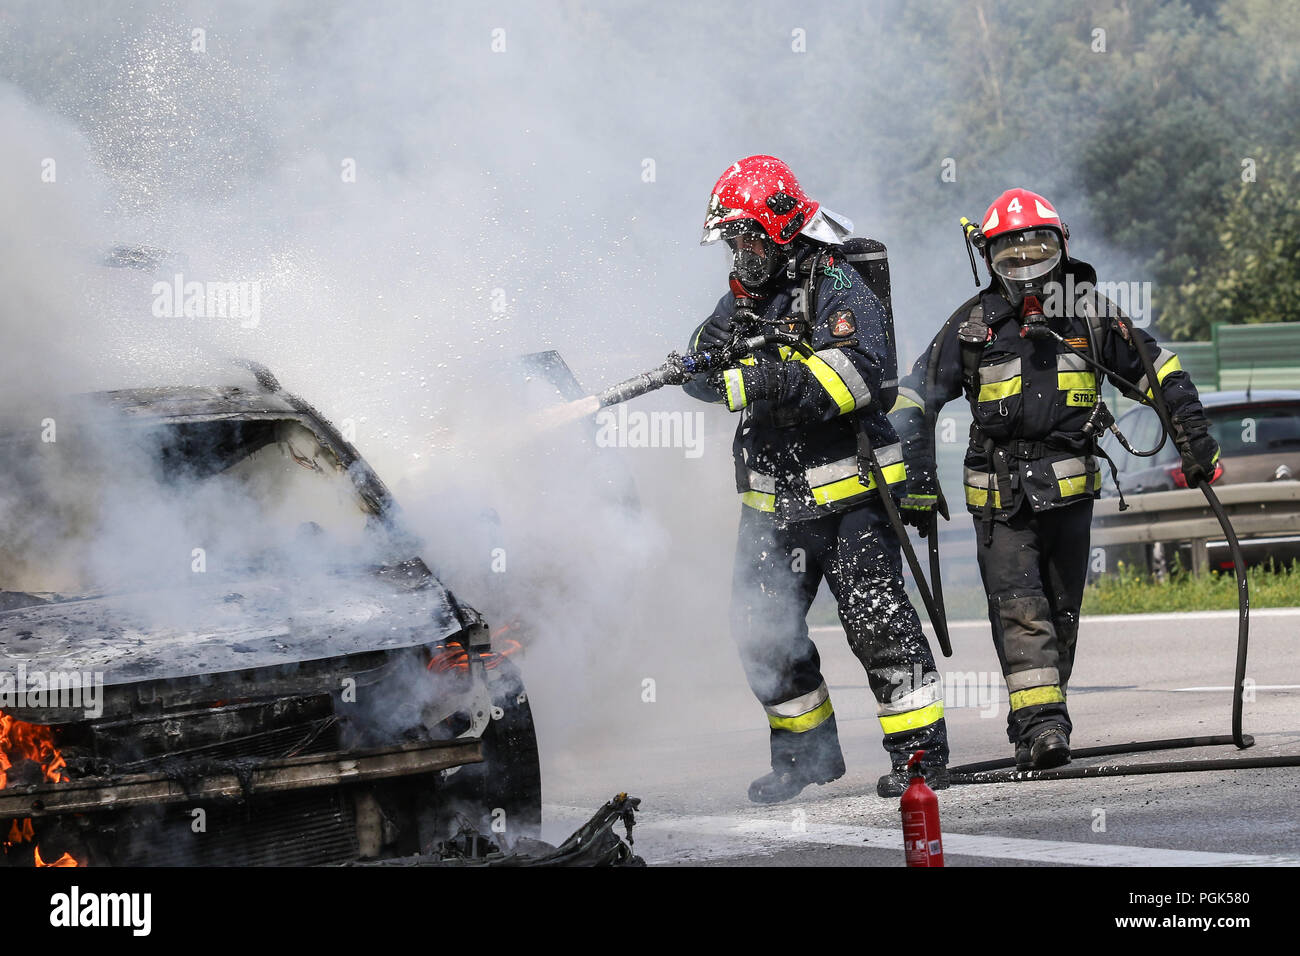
(971, 336)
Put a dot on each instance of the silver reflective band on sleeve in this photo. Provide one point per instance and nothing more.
(1000, 372)
(923, 696)
(798, 706)
(911, 395)
(1069, 362)
(1036, 677)
(849, 374)
(1163, 359)
(866, 256)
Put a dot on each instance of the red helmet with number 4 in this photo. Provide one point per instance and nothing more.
(1026, 245)
(757, 207)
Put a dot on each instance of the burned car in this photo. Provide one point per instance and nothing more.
(220, 645)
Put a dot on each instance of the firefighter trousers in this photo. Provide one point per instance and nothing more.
(778, 570)
(1034, 567)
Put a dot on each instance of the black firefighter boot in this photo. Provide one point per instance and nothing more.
(933, 739)
(1049, 748)
(896, 781)
(799, 760)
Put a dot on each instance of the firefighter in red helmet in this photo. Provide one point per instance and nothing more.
(810, 506)
(1031, 468)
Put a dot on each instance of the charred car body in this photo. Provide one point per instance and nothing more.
(276, 676)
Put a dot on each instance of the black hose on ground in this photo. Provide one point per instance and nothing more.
(1239, 738)
(1125, 770)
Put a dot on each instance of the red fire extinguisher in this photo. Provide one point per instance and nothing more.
(922, 842)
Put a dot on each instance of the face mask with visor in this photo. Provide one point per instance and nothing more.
(1025, 262)
(755, 258)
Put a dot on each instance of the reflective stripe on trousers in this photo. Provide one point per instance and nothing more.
(802, 713)
(920, 708)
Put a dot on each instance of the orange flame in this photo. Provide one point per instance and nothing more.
(21, 741)
(65, 860)
(454, 656)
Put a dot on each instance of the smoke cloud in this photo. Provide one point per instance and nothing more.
(420, 194)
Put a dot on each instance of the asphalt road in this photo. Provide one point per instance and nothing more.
(691, 751)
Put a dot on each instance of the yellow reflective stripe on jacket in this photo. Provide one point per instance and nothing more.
(830, 380)
(1035, 696)
(1165, 364)
(912, 719)
(758, 500)
(840, 479)
(908, 398)
(804, 722)
(999, 381)
(735, 382)
(848, 373)
(839, 490)
(977, 488)
(980, 496)
(1167, 369)
(1072, 476)
(1065, 381)
(995, 391)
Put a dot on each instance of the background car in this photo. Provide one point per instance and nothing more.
(1259, 434)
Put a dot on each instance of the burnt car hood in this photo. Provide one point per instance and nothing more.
(230, 625)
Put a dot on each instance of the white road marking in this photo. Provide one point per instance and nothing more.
(956, 844)
(1178, 690)
(1189, 615)
(1111, 618)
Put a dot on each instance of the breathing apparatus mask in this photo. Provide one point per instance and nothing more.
(1025, 263)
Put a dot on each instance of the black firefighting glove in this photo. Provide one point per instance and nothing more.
(917, 506)
(1199, 450)
(743, 385)
(719, 329)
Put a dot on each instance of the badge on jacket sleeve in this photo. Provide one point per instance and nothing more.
(842, 323)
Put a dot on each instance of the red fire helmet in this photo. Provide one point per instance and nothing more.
(1018, 209)
(761, 193)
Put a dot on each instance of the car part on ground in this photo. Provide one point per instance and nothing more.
(592, 844)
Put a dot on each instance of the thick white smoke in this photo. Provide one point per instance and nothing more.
(419, 194)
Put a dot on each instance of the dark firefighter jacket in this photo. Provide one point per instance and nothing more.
(797, 453)
(1030, 398)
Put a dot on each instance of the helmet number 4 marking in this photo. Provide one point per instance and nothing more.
(1014, 205)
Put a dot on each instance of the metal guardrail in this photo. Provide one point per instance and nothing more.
(1257, 510)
